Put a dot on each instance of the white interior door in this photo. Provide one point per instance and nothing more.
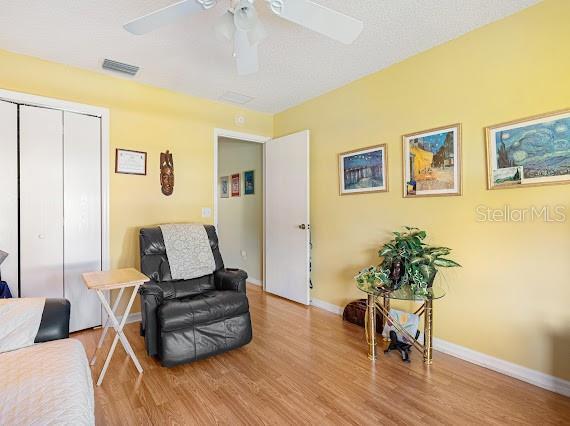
(9, 195)
(41, 202)
(287, 251)
(82, 215)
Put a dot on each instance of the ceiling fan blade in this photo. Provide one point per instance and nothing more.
(246, 54)
(163, 16)
(320, 19)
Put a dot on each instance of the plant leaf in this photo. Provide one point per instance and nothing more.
(446, 263)
(439, 251)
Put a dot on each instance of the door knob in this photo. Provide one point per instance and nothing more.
(303, 226)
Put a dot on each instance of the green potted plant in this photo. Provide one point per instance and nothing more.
(372, 277)
(407, 260)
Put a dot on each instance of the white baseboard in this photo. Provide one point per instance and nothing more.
(255, 281)
(321, 304)
(507, 368)
(525, 374)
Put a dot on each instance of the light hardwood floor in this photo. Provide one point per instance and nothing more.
(307, 366)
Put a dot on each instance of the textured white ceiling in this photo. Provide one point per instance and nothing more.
(295, 64)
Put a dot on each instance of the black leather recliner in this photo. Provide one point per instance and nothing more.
(187, 320)
(54, 324)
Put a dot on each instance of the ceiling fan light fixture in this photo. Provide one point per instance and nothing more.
(245, 16)
(225, 27)
(241, 24)
(207, 4)
(276, 6)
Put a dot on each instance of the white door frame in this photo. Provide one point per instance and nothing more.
(248, 137)
(104, 115)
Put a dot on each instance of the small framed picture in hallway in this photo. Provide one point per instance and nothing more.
(248, 183)
(432, 162)
(225, 187)
(236, 185)
(363, 170)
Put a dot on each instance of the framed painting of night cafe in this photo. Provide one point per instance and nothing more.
(432, 162)
(363, 170)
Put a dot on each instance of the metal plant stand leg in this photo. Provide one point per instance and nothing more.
(428, 331)
(379, 300)
(385, 316)
(370, 330)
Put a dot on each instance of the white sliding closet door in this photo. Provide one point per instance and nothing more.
(9, 194)
(82, 215)
(41, 202)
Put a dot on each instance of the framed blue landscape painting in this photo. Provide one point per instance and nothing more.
(363, 170)
(530, 151)
(249, 183)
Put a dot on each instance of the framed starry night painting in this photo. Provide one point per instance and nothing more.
(363, 170)
(529, 152)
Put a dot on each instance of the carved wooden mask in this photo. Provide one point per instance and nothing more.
(166, 173)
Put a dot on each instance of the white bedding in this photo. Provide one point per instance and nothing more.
(46, 384)
(20, 319)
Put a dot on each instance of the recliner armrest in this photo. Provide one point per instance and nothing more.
(230, 279)
(54, 324)
(151, 288)
(152, 296)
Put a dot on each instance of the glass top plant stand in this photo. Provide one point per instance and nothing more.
(379, 300)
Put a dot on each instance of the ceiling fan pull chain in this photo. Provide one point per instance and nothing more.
(276, 6)
(207, 4)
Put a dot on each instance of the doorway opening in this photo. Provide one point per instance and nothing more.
(270, 238)
(239, 202)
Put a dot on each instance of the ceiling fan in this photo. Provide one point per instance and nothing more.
(241, 25)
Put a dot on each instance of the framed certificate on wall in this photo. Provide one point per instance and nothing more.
(130, 162)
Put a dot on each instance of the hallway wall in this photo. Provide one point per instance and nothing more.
(240, 219)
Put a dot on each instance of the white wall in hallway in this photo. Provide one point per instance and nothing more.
(240, 219)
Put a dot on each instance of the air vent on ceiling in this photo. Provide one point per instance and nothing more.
(121, 67)
(236, 98)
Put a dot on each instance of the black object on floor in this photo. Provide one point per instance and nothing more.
(403, 348)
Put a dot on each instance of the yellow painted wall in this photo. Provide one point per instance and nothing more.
(143, 118)
(510, 299)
